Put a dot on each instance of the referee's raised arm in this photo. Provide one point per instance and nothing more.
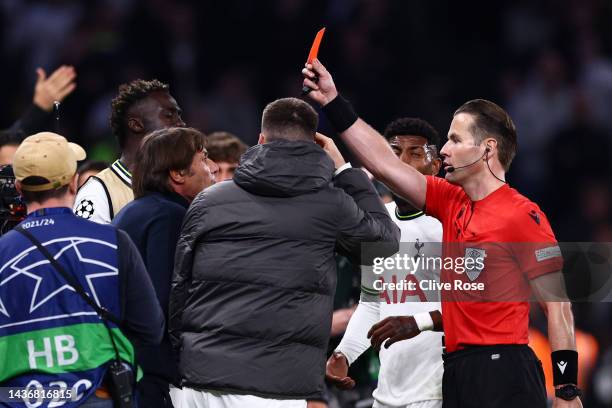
(370, 148)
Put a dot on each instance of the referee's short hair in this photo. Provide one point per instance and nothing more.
(161, 151)
(490, 120)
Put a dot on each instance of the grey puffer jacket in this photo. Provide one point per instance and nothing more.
(255, 274)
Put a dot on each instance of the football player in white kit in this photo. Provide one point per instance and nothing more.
(411, 370)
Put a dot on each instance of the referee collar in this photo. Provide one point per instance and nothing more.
(500, 192)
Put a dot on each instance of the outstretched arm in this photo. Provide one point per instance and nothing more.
(367, 144)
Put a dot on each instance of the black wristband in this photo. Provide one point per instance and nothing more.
(340, 113)
(565, 367)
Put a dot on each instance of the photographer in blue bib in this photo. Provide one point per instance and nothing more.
(74, 294)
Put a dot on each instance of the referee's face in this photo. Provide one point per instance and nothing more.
(460, 150)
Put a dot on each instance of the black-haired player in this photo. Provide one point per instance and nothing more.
(140, 108)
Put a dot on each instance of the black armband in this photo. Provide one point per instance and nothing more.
(340, 113)
(565, 367)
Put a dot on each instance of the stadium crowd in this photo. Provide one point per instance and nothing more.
(554, 79)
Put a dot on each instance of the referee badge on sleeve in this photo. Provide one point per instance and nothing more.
(474, 262)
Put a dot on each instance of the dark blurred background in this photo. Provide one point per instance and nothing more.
(549, 63)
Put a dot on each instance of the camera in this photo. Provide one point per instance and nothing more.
(121, 381)
(12, 208)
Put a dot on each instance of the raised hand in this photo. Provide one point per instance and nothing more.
(330, 148)
(54, 88)
(323, 89)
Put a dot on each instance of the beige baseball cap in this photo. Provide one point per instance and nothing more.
(49, 156)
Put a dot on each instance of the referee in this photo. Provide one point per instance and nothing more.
(488, 363)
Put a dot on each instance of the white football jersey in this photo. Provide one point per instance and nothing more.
(105, 194)
(410, 370)
(92, 202)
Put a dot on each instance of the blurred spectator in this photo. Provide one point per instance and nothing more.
(588, 169)
(37, 116)
(225, 150)
(48, 23)
(55, 88)
(170, 171)
(595, 77)
(602, 382)
(141, 107)
(230, 106)
(527, 27)
(539, 108)
(47, 91)
(89, 168)
(9, 141)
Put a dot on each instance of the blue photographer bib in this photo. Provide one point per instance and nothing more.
(49, 336)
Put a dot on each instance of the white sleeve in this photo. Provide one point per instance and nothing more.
(355, 340)
(342, 168)
(91, 202)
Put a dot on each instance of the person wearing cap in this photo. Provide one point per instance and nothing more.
(50, 336)
(140, 108)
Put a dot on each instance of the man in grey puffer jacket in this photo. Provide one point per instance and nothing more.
(255, 273)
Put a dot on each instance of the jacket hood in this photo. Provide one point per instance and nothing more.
(284, 168)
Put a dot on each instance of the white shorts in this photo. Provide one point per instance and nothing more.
(420, 404)
(190, 398)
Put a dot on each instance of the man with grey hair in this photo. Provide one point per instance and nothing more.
(254, 278)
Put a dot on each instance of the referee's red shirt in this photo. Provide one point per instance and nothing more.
(517, 244)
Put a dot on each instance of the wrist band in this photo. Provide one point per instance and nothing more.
(424, 321)
(565, 367)
(340, 113)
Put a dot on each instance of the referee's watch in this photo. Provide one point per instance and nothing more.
(568, 392)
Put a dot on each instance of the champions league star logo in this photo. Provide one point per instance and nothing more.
(45, 283)
(85, 209)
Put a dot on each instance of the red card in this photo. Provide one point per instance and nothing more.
(314, 50)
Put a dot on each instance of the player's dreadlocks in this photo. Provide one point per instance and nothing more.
(128, 95)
